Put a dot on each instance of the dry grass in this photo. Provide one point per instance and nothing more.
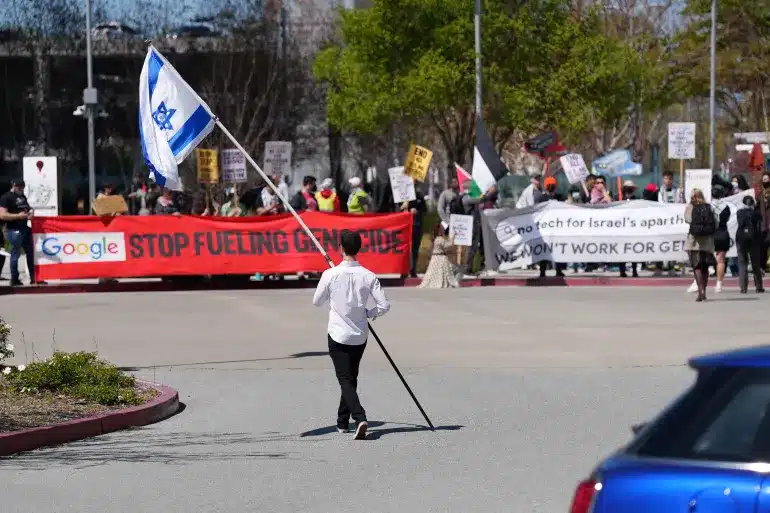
(24, 410)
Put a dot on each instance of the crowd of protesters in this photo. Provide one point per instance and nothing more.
(147, 198)
(753, 249)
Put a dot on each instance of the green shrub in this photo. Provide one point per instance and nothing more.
(80, 375)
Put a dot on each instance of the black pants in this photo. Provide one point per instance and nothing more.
(346, 359)
(749, 252)
(763, 252)
(416, 240)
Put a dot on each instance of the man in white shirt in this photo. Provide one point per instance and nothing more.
(348, 287)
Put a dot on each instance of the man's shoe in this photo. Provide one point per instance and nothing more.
(361, 430)
(760, 291)
(16, 283)
(343, 429)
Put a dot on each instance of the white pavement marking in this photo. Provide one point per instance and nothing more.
(529, 389)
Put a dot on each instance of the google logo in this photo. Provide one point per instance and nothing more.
(93, 250)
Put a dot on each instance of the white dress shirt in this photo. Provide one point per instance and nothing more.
(347, 287)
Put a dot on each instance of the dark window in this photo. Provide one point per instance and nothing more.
(725, 416)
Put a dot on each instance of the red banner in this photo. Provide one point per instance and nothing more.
(76, 247)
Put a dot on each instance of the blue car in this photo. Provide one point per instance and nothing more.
(708, 452)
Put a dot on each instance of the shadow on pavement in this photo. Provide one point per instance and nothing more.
(375, 434)
(306, 354)
(136, 446)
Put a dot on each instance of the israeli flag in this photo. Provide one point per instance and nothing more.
(173, 120)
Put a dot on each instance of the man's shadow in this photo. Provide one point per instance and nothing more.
(379, 431)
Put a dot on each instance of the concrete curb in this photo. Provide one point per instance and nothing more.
(549, 281)
(160, 408)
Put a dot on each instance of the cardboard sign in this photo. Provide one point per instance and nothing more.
(574, 167)
(681, 141)
(41, 176)
(208, 168)
(417, 162)
(233, 166)
(461, 228)
(277, 159)
(697, 179)
(110, 205)
(402, 185)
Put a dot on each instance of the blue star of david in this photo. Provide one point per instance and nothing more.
(162, 116)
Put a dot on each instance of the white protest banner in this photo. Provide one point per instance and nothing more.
(402, 185)
(277, 159)
(233, 166)
(681, 141)
(41, 177)
(697, 179)
(630, 231)
(461, 228)
(574, 167)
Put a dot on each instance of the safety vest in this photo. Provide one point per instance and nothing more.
(354, 202)
(325, 204)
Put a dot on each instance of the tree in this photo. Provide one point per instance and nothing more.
(412, 61)
(743, 50)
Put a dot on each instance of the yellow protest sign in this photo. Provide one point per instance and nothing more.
(417, 162)
(208, 168)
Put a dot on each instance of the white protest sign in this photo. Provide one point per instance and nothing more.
(697, 179)
(461, 228)
(402, 185)
(629, 231)
(277, 159)
(574, 167)
(233, 166)
(41, 177)
(681, 141)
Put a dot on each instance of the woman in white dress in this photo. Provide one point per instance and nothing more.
(441, 271)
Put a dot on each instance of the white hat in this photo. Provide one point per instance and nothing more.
(355, 182)
(327, 183)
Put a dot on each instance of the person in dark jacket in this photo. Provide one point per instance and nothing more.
(749, 245)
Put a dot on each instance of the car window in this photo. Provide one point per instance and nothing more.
(724, 417)
(733, 431)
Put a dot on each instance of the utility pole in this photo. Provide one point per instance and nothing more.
(712, 95)
(90, 101)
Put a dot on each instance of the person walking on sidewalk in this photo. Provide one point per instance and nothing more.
(749, 245)
(699, 244)
(348, 287)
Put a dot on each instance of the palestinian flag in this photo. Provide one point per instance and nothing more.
(488, 169)
(462, 177)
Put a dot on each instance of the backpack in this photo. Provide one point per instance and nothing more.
(456, 205)
(747, 229)
(703, 222)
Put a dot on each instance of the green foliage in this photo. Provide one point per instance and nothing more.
(6, 348)
(743, 44)
(80, 375)
(413, 60)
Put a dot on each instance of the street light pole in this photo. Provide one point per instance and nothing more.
(712, 95)
(477, 19)
(90, 102)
